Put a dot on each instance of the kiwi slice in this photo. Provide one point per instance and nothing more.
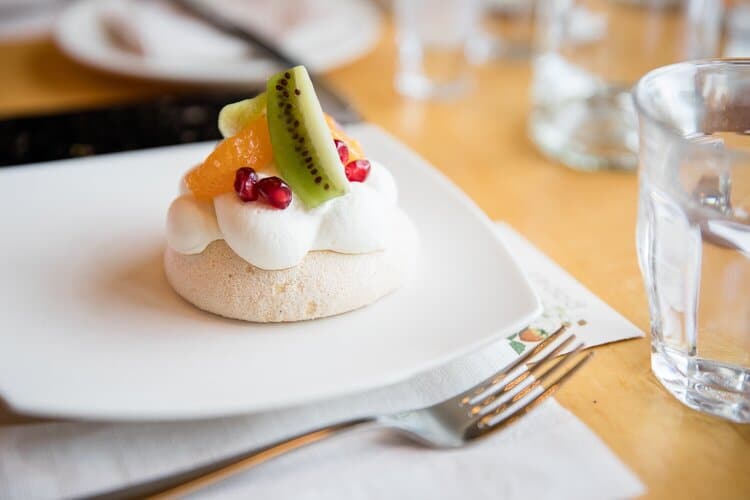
(233, 117)
(302, 143)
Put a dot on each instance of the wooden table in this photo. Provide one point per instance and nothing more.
(583, 221)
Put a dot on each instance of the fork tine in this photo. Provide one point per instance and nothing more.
(477, 431)
(497, 391)
(486, 404)
(482, 386)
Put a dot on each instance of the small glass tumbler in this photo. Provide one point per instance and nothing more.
(587, 56)
(507, 30)
(434, 38)
(694, 230)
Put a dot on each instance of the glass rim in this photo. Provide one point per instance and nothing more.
(643, 110)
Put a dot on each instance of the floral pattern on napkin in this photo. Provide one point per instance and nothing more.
(560, 309)
(565, 302)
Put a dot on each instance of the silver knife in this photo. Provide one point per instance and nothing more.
(331, 101)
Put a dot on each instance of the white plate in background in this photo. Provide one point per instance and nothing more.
(319, 44)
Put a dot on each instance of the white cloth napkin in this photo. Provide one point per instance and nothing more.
(565, 301)
(548, 454)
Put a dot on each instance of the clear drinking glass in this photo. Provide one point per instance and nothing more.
(694, 230)
(507, 29)
(587, 56)
(433, 40)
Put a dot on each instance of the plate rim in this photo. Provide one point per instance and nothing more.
(394, 376)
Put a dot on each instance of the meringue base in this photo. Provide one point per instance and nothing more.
(325, 283)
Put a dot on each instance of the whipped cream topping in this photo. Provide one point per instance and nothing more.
(361, 221)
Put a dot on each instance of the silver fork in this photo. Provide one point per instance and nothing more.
(473, 414)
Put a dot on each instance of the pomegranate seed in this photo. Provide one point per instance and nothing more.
(245, 181)
(343, 150)
(275, 191)
(357, 170)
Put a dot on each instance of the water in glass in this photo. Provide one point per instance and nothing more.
(694, 231)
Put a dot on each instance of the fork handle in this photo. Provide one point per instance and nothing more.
(182, 483)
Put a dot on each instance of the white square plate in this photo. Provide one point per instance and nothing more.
(91, 329)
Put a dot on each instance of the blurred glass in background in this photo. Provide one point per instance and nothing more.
(588, 55)
(507, 28)
(737, 29)
(434, 39)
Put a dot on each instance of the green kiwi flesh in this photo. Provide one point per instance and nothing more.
(233, 117)
(303, 147)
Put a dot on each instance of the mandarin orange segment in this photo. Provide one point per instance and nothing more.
(250, 147)
(355, 150)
